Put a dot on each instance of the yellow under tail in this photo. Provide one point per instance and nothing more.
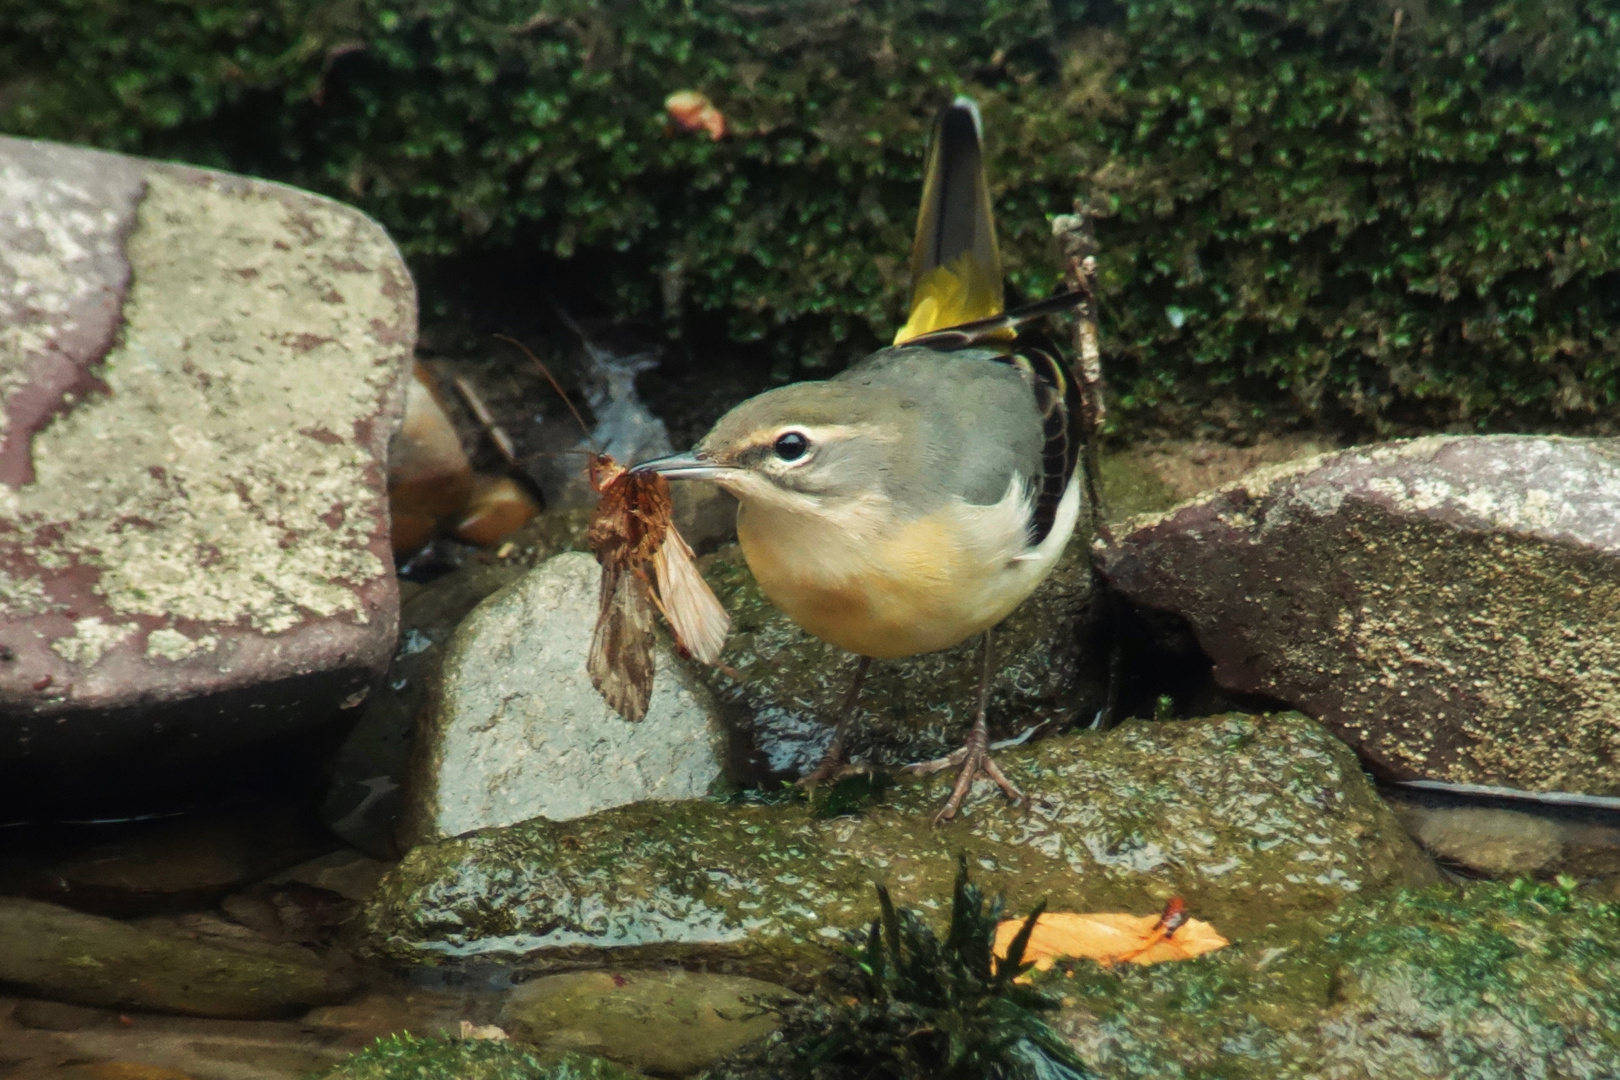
(955, 265)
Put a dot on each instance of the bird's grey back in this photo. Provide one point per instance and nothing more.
(968, 422)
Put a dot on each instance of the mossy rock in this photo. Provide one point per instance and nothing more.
(793, 685)
(406, 1057)
(1489, 982)
(1256, 821)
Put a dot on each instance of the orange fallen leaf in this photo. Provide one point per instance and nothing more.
(630, 532)
(693, 111)
(1111, 937)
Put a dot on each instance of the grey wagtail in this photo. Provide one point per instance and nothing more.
(917, 498)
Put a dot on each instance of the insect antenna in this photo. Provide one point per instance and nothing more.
(555, 385)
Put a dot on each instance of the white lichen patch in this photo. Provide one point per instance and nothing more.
(90, 640)
(21, 595)
(168, 644)
(221, 479)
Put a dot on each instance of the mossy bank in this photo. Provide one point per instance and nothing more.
(1368, 215)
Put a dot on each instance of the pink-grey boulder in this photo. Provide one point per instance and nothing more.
(1450, 606)
(199, 375)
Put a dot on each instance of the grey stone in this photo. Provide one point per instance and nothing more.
(425, 1014)
(1255, 822)
(514, 729)
(666, 1022)
(1446, 605)
(348, 873)
(1495, 838)
(88, 960)
(198, 377)
(1501, 843)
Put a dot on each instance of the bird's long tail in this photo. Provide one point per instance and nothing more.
(955, 264)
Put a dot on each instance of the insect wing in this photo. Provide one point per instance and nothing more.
(693, 611)
(621, 657)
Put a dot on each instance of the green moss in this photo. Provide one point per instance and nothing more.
(406, 1057)
(1496, 980)
(1321, 209)
(1256, 822)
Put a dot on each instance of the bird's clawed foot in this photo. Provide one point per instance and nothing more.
(973, 759)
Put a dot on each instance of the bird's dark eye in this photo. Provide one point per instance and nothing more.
(791, 445)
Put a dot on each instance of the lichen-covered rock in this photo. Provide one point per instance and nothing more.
(88, 960)
(1253, 821)
(514, 729)
(793, 685)
(1447, 605)
(198, 377)
(664, 1021)
(1490, 983)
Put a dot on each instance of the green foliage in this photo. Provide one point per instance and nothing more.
(903, 1005)
(405, 1057)
(1364, 213)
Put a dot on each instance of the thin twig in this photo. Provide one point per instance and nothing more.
(1079, 246)
(497, 434)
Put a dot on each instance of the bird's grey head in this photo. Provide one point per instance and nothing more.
(804, 446)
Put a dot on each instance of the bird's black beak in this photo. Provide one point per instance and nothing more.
(687, 466)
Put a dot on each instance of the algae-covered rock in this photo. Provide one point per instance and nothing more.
(405, 1057)
(85, 959)
(1496, 981)
(669, 1022)
(793, 685)
(1253, 821)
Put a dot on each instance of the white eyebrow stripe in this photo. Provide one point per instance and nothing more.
(832, 432)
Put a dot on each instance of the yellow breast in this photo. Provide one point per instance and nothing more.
(917, 587)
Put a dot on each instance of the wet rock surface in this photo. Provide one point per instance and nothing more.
(160, 866)
(198, 393)
(665, 1022)
(791, 687)
(153, 1046)
(1253, 821)
(1494, 981)
(1446, 605)
(515, 730)
(368, 771)
(1505, 839)
(89, 960)
(378, 1015)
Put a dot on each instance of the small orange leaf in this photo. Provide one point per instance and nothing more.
(693, 111)
(1110, 937)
